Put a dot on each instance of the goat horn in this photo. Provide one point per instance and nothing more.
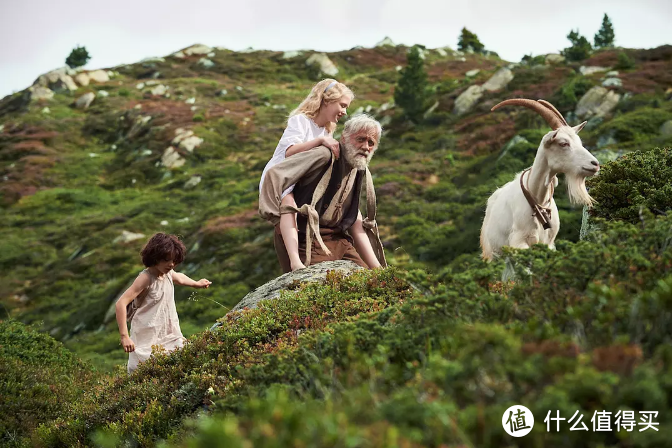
(551, 118)
(556, 111)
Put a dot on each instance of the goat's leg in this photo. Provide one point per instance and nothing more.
(519, 240)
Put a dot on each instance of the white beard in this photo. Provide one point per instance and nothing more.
(352, 157)
(576, 187)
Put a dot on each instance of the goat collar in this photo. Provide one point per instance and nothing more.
(543, 214)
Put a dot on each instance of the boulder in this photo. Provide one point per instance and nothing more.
(325, 64)
(84, 101)
(467, 100)
(499, 80)
(272, 289)
(598, 101)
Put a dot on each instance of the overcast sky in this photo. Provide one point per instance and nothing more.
(37, 35)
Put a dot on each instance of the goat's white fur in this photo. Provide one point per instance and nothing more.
(509, 219)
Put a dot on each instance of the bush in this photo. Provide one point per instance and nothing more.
(468, 41)
(625, 62)
(580, 48)
(639, 179)
(39, 380)
(78, 57)
(412, 91)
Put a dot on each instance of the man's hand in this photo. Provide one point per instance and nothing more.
(332, 144)
(127, 343)
(202, 283)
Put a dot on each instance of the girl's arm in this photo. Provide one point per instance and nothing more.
(362, 244)
(127, 297)
(181, 279)
(300, 147)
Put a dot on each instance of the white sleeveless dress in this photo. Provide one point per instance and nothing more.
(155, 322)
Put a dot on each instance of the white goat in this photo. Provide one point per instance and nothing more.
(523, 212)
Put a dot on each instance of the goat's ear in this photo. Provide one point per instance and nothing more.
(555, 134)
(578, 128)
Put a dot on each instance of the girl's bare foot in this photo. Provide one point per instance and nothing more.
(297, 265)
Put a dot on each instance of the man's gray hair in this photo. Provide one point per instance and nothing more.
(362, 122)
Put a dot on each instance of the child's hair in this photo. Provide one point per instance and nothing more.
(324, 92)
(163, 247)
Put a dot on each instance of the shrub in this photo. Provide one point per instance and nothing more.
(78, 57)
(39, 380)
(638, 179)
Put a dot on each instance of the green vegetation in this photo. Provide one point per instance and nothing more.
(580, 48)
(604, 38)
(428, 352)
(78, 57)
(411, 92)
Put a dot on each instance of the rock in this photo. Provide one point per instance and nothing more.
(325, 64)
(46, 110)
(511, 144)
(171, 158)
(248, 50)
(191, 183)
(2, 127)
(100, 76)
(211, 54)
(159, 90)
(239, 88)
(467, 100)
(140, 86)
(102, 94)
(442, 52)
(164, 223)
(386, 42)
(154, 59)
(178, 54)
(191, 100)
(473, 72)
(138, 127)
(41, 93)
(421, 53)
(612, 82)
(499, 80)
(398, 68)
(151, 82)
(57, 80)
(612, 74)
(291, 54)
(598, 101)
(271, 290)
(666, 129)
(207, 63)
(82, 79)
(197, 49)
(554, 58)
(385, 121)
(127, 237)
(585, 71)
(84, 101)
(222, 92)
(431, 109)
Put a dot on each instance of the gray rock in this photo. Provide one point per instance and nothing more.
(41, 93)
(598, 101)
(612, 74)
(171, 158)
(511, 143)
(127, 237)
(585, 71)
(666, 129)
(272, 289)
(291, 54)
(84, 101)
(207, 63)
(325, 64)
(191, 183)
(467, 100)
(612, 82)
(554, 58)
(473, 72)
(385, 42)
(499, 80)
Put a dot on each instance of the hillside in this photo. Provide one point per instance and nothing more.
(178, 143)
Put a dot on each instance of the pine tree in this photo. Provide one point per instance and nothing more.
(580, 48)
(469, 40)
(411, 92)
(78, 57)
(605, 37)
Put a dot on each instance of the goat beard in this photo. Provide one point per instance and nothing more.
(351, 152)
(576, 188)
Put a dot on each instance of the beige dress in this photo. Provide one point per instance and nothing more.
(155, 322)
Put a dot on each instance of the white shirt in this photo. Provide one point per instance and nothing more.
(300, 129)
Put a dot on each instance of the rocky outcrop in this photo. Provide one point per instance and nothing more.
(271, 290)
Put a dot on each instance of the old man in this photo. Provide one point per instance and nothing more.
(327, 196)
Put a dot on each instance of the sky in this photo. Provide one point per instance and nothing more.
(37, 35)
